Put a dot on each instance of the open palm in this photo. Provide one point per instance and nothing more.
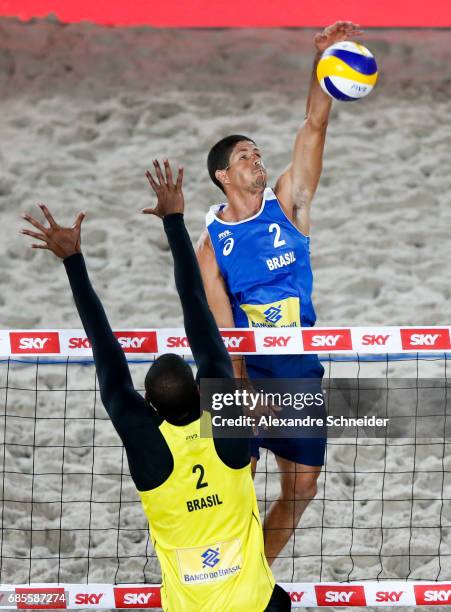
(337, 32)
(61, 241)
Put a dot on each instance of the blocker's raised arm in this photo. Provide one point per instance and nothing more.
(208, 349)
(134, 420)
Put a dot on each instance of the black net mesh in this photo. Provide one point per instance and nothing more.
(69, 511)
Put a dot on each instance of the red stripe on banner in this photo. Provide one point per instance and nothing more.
(425, 339)
(239, 341)
(263, 341)
(433, 594)
(137, 597)
(232, 13)
(137, 341)
(340, 595)
(30, 342)
(43, 598)
(327, 339)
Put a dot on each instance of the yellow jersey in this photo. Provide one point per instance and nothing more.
(206, 530)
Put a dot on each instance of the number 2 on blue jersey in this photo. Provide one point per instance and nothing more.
(275, 227)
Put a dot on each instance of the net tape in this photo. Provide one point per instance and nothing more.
(264, 341)
(303, 595)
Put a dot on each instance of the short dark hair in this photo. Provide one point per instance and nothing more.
(219, 155)
(172, 390)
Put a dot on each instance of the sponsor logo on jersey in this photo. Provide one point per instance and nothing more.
(425, 338)
(437, 594)
(228, 246)
(283, 313)
(34, 342)
(211, 557)
(137, 597)
(272, 314)
(137, 342)
(340, 596)
(286, 259)
(239, 341)
(326, 340)
(224, 234)
(218, 561)
(87, 599)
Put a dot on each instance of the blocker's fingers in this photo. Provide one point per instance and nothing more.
(40, 246)
(160, 177)
(48, 215)
(78, 221)
(179, 178)
(149, 211)
(155, 186)
(168, 171)
(34, 235)
(34, 222)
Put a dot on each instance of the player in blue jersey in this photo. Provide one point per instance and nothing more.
(255, 262)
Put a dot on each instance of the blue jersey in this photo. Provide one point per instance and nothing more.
(265, 262)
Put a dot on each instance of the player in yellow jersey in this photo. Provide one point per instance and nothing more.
(197, 493)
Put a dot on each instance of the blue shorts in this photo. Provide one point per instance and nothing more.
(308, 451)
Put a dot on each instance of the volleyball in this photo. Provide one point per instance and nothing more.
(347, 71)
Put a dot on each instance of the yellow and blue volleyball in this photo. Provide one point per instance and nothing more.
(347, 71)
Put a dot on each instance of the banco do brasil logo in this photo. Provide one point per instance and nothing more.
(272, 314)
(210, 557)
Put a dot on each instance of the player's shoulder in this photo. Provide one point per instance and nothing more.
(206, 257)
(204, 241)
(212, 214)
(282, 195)
(204, 248)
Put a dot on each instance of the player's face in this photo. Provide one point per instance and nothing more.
(246, 169)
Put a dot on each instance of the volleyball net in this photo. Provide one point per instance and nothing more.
(73, 533)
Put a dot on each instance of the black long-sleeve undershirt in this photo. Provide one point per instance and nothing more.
(137, 424)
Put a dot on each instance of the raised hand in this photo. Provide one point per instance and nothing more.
(61, 241)
(169, 195)
(340, 30)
